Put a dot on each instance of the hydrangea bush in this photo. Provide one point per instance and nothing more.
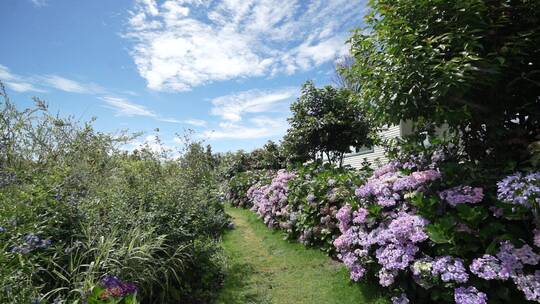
(429, 227)
(270, 202)
(425, 229)
(315, 195)
(237, 187)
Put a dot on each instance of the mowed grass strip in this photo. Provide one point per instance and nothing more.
(264, 268)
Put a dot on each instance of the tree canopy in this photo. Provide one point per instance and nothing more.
(324, 124)
(470, 64)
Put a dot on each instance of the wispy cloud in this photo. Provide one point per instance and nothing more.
(38, 83)
(183, 44)
(231, 107)
(16, 82)
(71, 86)
(39, 3)
(253, 114)
(259, 127)
(123, 107)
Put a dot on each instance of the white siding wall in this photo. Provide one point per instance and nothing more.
(376, 157)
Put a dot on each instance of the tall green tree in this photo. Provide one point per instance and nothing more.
(471, 64)
(325, 124)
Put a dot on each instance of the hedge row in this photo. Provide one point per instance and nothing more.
(429, 227)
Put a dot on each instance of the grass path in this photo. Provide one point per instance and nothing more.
(263, 268)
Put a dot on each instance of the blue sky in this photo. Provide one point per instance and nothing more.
(228, 69)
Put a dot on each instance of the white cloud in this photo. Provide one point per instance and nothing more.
(254, 114)
(16, 82)
(71, 86)
(124, 107)
(35, 82)
(262, 127)
(231, 107)
(181, 44)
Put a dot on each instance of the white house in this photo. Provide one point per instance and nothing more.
(375, 155)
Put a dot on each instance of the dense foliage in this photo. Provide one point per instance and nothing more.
(472, 65)
(429, 227)
(81, 220)
(324, 124)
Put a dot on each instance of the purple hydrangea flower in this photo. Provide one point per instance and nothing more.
(402, 299)
(359, 216)
(520, 189)
(488, 267)
(462, 194)
(529, 285)
(450, 269)
(469, 295)
(387, 277)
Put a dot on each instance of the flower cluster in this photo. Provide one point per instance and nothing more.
(469, 295)
(115, 288)
(509, 264)
(520, 189)
(450, 269)
(31, 243)
(270, 202)
(462, 194)
(396, 226)
(388, 184)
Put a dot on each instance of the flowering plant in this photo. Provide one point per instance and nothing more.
(315, 195)
(428, 219)
(112, 290)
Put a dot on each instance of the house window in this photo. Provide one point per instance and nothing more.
(360, 150)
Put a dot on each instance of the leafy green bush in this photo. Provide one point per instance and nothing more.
(315, 195)
(237, 187)
(76, 209)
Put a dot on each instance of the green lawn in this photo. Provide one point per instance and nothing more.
(263, 268)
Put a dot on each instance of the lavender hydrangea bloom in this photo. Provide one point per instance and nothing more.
(271, 203)
(344, 217)
(402, 299)
(359, 216)
(357, 272)
(469, 295)
(450, 269)
(462, 194)
(488, 267)
(405, 228)
(520, 189)
(529, 285)
(396, 256)
(387, 277)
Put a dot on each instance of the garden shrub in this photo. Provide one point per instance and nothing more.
(237, 187)
(315, 195)
(270, 201)
(83, 221)
(432, 229)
